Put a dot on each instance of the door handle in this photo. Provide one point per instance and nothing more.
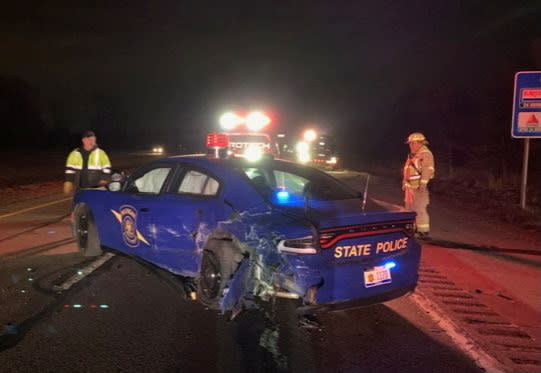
(144, 209)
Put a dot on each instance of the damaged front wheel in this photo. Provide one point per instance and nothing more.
(217, 265)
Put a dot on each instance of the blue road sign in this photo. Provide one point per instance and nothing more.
(527, 105)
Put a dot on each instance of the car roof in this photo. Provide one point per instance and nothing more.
(213, 162)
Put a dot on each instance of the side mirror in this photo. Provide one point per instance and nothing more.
(114, 186)
(118, 176)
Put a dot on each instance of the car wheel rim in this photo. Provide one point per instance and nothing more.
(211, 278)
(82, 231)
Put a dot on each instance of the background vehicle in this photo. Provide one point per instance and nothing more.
(251, 145)
(285, 145)
(324, 153)
(317, 150)
(245, 136)
(158, 149)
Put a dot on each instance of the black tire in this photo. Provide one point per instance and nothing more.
(86, 232)
(218, 263)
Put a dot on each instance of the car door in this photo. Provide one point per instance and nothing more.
(134, 207)
(193, 209)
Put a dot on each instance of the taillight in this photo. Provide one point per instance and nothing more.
(330, 236)
(410, 229)
(304, 245)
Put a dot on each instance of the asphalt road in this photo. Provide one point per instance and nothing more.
(128, 316)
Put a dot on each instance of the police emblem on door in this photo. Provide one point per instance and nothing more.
(127, 217)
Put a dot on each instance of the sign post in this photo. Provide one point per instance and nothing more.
(526, 122)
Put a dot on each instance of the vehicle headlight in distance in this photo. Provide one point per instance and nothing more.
(230, 120)
(253, 153)
(303, 245)
(309, 135)
(333, 160)
(303, 151)
(256, 120)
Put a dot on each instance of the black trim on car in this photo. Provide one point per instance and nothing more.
(355, 303)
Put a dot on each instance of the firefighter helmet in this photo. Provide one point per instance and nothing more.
(417, 137)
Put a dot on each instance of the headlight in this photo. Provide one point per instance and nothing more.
(304, 245)
(256, 120)
(309, 135)
(253, 153)
(230, 120)
(303, 152)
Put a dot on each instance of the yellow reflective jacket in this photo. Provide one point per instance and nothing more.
(88, 175)
(419, 168)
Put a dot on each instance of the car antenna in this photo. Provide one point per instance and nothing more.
(365, 191)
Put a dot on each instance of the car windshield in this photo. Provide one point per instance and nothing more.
(284, 183)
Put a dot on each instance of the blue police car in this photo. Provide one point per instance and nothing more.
(244, 230)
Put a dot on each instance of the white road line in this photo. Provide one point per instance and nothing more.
(34, 208)
(82, 273)
(466, 344)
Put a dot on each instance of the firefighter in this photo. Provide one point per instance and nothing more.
(87, 166)
(418, 171)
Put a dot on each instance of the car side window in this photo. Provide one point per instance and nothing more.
(152, 181)
(196, 182)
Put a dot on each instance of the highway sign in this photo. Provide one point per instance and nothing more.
(526, 122)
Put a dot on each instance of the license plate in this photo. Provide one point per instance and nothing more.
(377, 276)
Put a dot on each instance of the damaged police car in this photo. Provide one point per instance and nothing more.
(245, 230)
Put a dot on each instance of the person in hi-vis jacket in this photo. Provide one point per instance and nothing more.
(88, 166)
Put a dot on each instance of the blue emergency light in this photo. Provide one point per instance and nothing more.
(282, 196)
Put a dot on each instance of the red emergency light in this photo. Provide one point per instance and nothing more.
(217, 140)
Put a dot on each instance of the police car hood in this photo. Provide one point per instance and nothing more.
(330, 214)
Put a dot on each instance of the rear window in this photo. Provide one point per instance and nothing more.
(296, 180)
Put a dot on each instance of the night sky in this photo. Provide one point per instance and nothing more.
(369, 72)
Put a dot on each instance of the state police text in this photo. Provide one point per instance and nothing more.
(367, 249)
